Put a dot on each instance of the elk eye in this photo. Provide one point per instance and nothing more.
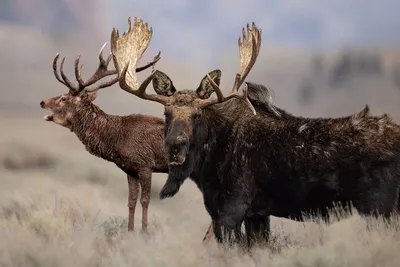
(62, 99)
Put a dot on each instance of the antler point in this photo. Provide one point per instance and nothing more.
(129, 24)
(101, 51)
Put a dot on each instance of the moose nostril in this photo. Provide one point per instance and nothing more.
(42, 103)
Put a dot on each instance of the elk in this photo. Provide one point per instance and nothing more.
(252, 165)
(134, 143)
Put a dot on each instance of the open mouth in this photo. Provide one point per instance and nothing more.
(48, 117)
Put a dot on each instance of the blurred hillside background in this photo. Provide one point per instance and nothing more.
(320, 58)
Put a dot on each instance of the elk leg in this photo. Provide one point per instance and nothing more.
(133, 188)
(209, 234)
(145, 185)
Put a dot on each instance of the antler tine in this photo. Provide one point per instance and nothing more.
(72, 88)
(64, 80)
(150, 64)
(218, 92)
(55, 69)
(78, 71)
(101, 72)
(245, 97)
(103, 85)
(127, 49)
(101, 59)
(141, 91)
(221, 98)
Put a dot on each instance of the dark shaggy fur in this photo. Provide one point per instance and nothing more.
(250, 167)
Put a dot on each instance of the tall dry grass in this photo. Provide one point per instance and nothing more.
(59, 206)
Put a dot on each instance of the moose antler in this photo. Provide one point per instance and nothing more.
(127, 50)
(101, 72)
(248, 50)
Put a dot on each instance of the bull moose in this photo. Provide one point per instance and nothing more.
(250, 165)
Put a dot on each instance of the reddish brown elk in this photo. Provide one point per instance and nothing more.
(135, 143)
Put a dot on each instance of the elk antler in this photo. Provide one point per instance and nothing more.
(248, 50)
(127, 49)
(101, 72)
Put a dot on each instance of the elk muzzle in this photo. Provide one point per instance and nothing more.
(47, 117)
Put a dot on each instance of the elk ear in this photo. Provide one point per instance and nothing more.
(162, 84)
(205, 89)
(92, 96)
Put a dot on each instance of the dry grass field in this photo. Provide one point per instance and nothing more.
(61, 206)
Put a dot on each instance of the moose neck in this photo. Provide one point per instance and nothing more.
(95, 129)
(209, 135)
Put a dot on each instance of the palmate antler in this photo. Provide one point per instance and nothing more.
(248, 50)
(128, 48)
(101, 72)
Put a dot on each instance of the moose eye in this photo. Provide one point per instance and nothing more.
(196, 116)
(167, 115)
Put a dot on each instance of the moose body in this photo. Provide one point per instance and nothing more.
(252, 160)
(251, 167)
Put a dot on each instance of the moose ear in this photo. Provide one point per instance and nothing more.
(205, 88)
(162, 84)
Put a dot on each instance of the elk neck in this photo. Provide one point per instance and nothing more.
(96, 130)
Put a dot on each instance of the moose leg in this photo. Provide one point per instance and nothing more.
(378, 201)
(133, 188)
(209, 234)
(145, 185)
(227, 233)
(257, 230)
(227, 223)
